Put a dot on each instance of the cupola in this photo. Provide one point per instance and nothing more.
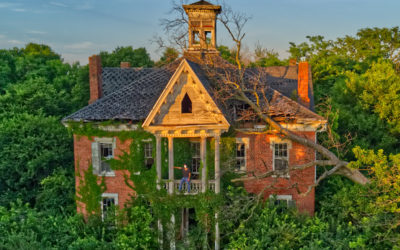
(202, 26)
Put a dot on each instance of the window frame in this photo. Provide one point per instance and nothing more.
(245, 142)
(196, 157)
(109, 196)
(104, 140)
(273, 142)
(145, 151)
(284, 197)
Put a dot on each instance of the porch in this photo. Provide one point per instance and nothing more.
(196, 186)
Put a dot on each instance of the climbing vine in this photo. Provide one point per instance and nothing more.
(143, 180)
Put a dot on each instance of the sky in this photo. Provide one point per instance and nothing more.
(77, 29)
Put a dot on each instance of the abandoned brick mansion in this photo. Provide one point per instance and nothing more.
(182, 103)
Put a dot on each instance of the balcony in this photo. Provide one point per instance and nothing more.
(195, 186)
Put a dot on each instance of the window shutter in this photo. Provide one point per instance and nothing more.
(96, 157)
(292, 203)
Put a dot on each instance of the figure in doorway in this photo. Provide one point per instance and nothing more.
(186, 174)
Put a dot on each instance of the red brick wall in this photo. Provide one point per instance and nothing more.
(83, 159)
(259, 160)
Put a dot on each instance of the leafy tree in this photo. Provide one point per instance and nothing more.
(136, 57)
(32, 147)
(169, 55)
(266, 58)
(226, 53)
(378, 89)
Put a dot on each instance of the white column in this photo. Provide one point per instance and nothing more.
(217, 240)
(217, 166)
(203, 154)
(158, 160)
(158, 165)
(171, 165)
(160, 234)
(217, 188)
(172, 233)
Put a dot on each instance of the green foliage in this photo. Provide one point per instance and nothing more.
(55, 194)
(266, 58)
(31, 148)
(169, 55)
(378, 89)
(227, 53)
(137, 234)
(354, 79)
(136, 57)
(90, 191)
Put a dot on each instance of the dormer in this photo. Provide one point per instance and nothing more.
(202, 26)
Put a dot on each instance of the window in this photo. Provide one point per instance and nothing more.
(108, 201)
(240, 157)
(195, 147)
(282, 200)
(196, 37)
(207, 36)
(102, 151)
(186, 104)
(148, 155)
(106, 153)
(242, 145)
(281, 157)
(242, 112)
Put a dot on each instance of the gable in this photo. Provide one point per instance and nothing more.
(167, 111)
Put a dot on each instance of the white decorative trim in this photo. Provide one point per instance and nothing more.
(111, 195)
(287, 197)
(282, 197)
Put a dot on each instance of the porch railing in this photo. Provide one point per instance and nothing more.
(195, 186)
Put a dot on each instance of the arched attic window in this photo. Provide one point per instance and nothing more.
(186, 105)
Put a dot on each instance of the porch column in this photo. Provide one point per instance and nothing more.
(217, 188)
(172, 233)
(171, 165)
(171, 188)
(158, 165)
(217, 166)
(158, 160)
(203, 154)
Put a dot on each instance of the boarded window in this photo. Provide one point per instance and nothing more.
(281, 157)
(186, 104)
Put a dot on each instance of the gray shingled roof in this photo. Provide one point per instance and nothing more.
(130, 102)
(115, 78)
(130, 94)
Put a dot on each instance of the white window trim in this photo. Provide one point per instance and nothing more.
(277, 140)
(282, 197)
(108, 195)
(107, 140)
(245, 141)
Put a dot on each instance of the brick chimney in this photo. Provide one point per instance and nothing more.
(302, 83)
(95, 80)
(125, 65)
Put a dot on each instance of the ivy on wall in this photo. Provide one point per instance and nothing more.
(143, 181)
